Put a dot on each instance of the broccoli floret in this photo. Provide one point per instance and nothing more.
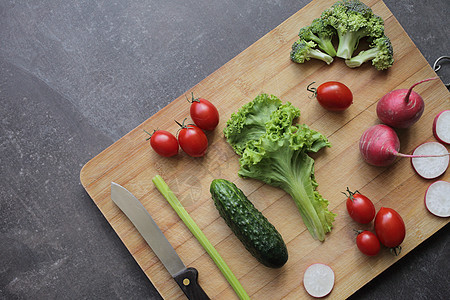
(321, 34)
(303, 51)
(380, 52)
(352, 20)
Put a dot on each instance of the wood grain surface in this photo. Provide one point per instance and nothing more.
(265, 67)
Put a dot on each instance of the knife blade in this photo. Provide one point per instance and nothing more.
(185, 277)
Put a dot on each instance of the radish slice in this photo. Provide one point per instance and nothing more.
(430, 167)
(437, 198)
(318, 280)
(441, 127)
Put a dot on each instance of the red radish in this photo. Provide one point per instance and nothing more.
(437, 199)
(430, 167)
(318, 280)
(441, 127)
(401, 108)
(379, 146)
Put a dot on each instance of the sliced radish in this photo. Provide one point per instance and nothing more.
(318, 280)
(430, 167)
(437, 199)
(441, 127)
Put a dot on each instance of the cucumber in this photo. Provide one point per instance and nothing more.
(249, 225)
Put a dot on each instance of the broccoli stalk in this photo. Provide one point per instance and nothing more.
(352, 20)
(303, 51)
(279, 156)
(380, 53)
(321, 34)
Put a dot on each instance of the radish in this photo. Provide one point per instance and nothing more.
(401, 108)
(437, 199)
(379, 146)
(441, 127)
(430, 167)
(318, 280)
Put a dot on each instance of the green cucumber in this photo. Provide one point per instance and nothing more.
(249, 225)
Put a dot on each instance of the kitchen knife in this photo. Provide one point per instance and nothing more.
(185, 277)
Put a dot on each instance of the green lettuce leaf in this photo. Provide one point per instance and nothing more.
(275, 151)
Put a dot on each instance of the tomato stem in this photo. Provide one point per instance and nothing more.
(358, 231)
(193, 99)
(350, 194)
(182, 125)
(150, 134)
(396, 250)
(313, 90)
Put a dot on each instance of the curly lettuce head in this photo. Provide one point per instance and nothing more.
(275, 151)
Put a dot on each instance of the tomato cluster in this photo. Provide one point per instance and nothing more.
(389, 226)
(191, 137)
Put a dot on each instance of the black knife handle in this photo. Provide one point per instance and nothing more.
(188, 282)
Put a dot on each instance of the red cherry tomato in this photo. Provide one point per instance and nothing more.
(333, 95)
(204, 113)
(359, 207)
(368, 243)
(389, 227)
(192, 140)
(164, 143)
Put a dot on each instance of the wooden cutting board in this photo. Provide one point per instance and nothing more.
(265, 67)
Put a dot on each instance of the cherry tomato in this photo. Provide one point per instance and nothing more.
(204, 113)
(192, 140)
(359, 207)
(164, 143)
(368, 243)
(333, 95)
(389, 227)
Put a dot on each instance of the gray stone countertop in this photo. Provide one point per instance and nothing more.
(75, 76)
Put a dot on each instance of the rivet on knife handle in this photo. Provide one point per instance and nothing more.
(187, 280)
(199, 235)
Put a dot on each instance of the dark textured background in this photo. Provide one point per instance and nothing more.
(77, 75)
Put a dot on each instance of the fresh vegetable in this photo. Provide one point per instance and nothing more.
(332, 95)
(368, 243)
(437, 199)
(249, 225)
(318, 280)
(359, 207)
(321, 34)
(380, 53)
(192, 140)
(353, 20)
(390, 228)
(441, 127)
(303, 51)
(163, 142)
(379, 146)
(430, 167)
(275, 151)
(203, 113)
(164, 189)
(401, 108)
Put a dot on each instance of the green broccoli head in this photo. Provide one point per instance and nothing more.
(352, 20)
(381, 53)
(320, 33)
(303, 51)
